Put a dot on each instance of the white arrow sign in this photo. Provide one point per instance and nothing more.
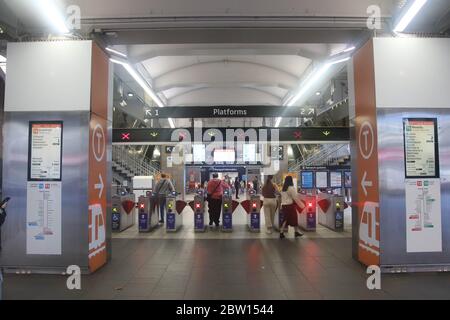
(99, 186)
(365, 183)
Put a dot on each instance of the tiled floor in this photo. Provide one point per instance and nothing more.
(230, 269)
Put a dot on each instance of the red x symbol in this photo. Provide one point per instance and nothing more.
(125, 136)
(297, 134)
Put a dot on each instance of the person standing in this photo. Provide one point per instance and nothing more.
(289, 198)
(270, 204)
(215, 192)
(255, 185)
(237, 186)
(162, 189)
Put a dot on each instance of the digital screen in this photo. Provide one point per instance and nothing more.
(249, 153)
(307, 180)
(45, 151)
(321, 179)
(348, 179)
(198, 152)
(224, 155)
(335, 179)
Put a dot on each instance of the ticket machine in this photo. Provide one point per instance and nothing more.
(174, 209)
(198, 206)
(123, 211)
(227, 211)
(307, 218)
(148, 212)
(330, 210)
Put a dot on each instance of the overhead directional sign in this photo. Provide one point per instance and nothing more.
(291, 135)
(230, 112)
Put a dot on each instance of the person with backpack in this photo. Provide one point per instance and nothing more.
(214, 196)
(162, 190)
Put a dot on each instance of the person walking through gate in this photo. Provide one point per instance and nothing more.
(162, 189)
(237, 186)
(215, 192)
(255, 185)
(289, 198)
(270, 204)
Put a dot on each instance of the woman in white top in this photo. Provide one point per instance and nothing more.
(289, 198)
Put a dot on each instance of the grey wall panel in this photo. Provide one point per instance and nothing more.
(74, 190)
(392, 189)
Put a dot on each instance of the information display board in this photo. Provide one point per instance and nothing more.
(321, 179)
(335, 179)
(347, 179)
(45, 151)
(307, 181)
(421, 148)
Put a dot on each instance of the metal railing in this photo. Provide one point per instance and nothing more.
(328, 154)
(133, 164)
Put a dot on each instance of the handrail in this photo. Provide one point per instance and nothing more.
(137, 165)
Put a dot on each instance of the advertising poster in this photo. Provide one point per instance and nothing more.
(423, 215)
(421, 148)
(44, 152)
(44, 217)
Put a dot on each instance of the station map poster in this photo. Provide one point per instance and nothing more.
(423, 215)
(422, 185)
(45, 151)
(44, 217)
(321, 179)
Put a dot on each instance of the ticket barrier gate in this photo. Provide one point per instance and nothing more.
(148, 212)
(123, 212)
(228, 207)
(307, 218)
(330, 210)
(174, 209)
(253, 209)
(198, 206)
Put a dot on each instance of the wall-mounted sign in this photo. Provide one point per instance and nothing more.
(45, 151)
(44, 217)
(263, 134)
(230, 112)
(423, 215)
(421, 148)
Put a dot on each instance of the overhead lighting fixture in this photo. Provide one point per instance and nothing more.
(409, 15)
(309, 82)
(130, 94)
(140, 81)
(171, 123)
(277, 123)
(318, 93)
(51, 12)
(116, 52)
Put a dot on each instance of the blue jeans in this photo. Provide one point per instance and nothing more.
(162, 207)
